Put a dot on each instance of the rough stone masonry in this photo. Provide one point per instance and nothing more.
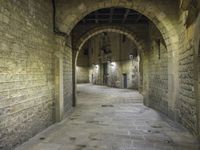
(37, 66)
(27, 59)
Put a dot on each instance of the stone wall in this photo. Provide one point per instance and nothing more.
(27, 63)
(27, 48)
(82, 74)
(198, 74)
(82, 66)
(188, 99)
(157, 71)
(120, 64)
(67, 80)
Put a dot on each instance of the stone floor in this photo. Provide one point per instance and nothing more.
(112, 119)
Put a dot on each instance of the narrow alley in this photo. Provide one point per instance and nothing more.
(112, 119)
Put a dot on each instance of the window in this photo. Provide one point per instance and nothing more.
(158, 42)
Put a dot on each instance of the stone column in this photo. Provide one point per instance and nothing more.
(74, 79)
(59, 99)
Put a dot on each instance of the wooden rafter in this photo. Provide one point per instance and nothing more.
(111, 15)
(126, 15)
(138, 18)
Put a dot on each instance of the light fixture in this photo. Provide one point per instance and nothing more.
(113, 64)
(97, 66)
(130, 56)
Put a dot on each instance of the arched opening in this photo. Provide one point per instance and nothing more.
(122, 32)
(149, 46)
(165, 22)
(156, 79)
(112, 60)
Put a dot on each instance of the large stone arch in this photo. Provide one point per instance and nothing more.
(157, 11)
(150, 9)
(116, 29)
(140, 44)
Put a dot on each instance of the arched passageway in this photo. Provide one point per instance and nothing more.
(109, 58)
(39, 46)
(157, 72)
(165, 22)
(140, 46)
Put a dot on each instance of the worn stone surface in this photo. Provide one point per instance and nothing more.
(82, 65)
(188, 98)
(113, 122)
(27, 50)
(157, 71)
(27, 63)
(67, 80)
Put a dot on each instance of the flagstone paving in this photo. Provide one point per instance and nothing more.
(112, 119)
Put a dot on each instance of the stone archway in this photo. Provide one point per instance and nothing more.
(158, 12)
(117, 29)
(97, 30)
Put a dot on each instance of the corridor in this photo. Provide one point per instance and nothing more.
(112, 119)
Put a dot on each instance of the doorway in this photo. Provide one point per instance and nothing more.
(105, 73)
(125, 80)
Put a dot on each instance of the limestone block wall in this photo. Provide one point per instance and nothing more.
(82, 67)
(157, 71)
(95, 76)
(119, 65)
(27, 49)
(188, 97)
(117, 71)
(67, 80)
(82, 74)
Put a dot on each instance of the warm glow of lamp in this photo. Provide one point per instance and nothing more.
(113, 64)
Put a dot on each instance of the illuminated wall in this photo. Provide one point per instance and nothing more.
(110, 62)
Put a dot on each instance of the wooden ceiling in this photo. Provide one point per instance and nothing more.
(114, 16)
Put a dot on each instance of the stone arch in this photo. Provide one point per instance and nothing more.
(140, 44)
(149, 9)
(156, 12)
(117, 29)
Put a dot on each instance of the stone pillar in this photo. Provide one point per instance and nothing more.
(173, 83)
(74, 79)
(59, 99)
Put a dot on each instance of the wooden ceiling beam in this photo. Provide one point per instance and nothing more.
(125, 16)
(111, 15)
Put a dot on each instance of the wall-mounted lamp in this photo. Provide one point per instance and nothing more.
(113, 64)
(97, 66)
(131, 57)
